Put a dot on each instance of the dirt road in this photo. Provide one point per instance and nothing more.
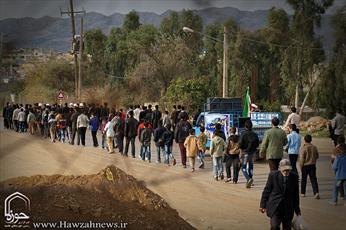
(202, 201)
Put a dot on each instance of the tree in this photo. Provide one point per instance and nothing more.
(306, 15)
(171, 25)
(332, 89)
(131, 21)
(191, 93)
(95, 45)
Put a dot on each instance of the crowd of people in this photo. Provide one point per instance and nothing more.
(119, 129)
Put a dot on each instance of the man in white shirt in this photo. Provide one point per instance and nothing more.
(293, 118)
(82, 124)
(21, 120)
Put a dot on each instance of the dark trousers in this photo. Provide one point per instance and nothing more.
(119, 140)
(311, 171)
(74, 132)
(232, 158)
(82, 131)
(293, 160)
(127, 143)
(93, 134)
(182, 153)
(6, 123)
(280, 216)
(274, 164)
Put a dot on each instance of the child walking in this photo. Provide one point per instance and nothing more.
(191, 148)
(339, 167)
(308, 158)
(217, 149)
(232, 157)
(202, 141)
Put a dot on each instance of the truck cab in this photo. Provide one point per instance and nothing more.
(228, 112)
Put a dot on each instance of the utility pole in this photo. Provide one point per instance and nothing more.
(71, 13)
(225, 63)
(80, 59)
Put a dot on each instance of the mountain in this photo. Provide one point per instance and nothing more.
(55, 33)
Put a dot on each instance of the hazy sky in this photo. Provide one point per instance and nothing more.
(39, 8)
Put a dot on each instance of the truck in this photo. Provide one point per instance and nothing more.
(228, 113)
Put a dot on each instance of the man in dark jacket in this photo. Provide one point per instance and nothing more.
(180, 134)
(158, 139)
(248, 144)
(280, 197)
(130, 133)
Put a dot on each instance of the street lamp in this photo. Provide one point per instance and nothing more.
(225, 55)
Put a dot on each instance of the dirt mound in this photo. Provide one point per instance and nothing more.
(109, 196)
(314, 124)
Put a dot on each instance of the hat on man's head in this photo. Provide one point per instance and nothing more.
(285, 164)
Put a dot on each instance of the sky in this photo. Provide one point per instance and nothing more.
(40, 8)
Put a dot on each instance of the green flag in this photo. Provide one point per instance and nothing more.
(247, 105)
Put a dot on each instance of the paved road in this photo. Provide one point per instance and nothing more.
(202, 201)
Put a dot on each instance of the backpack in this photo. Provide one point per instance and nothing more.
(184, 131)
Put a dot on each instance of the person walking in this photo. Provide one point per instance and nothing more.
(145, 139)
(181, 133)
(293, 145)
(307, 162)
(74, 126)
(94, 126)
(52, 126)
(217, 149)
(130, 133)
(156, 116)
(119, 129)
(338, 124)
(293, 118)
(248, 144)
(191, 146)
(232, 157)
(339, 167)
(272, 145)
(339, 149)
(280, 197)
(109, 131)
(168, 136)
(82, 124)
(158, 139)
(201, 141)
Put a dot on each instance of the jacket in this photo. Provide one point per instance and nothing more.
(217, 146)
(182, 131)
(293, 142)
(273, 142)
(308, 155)
(191, 146)
(131, 127)
(145, 137)
(158, 133)
(248, 142)
(274, 194)
(109, 129)
(339, 166)
(94, 123)
(202, 141)
(82, 121)
(168, 137)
